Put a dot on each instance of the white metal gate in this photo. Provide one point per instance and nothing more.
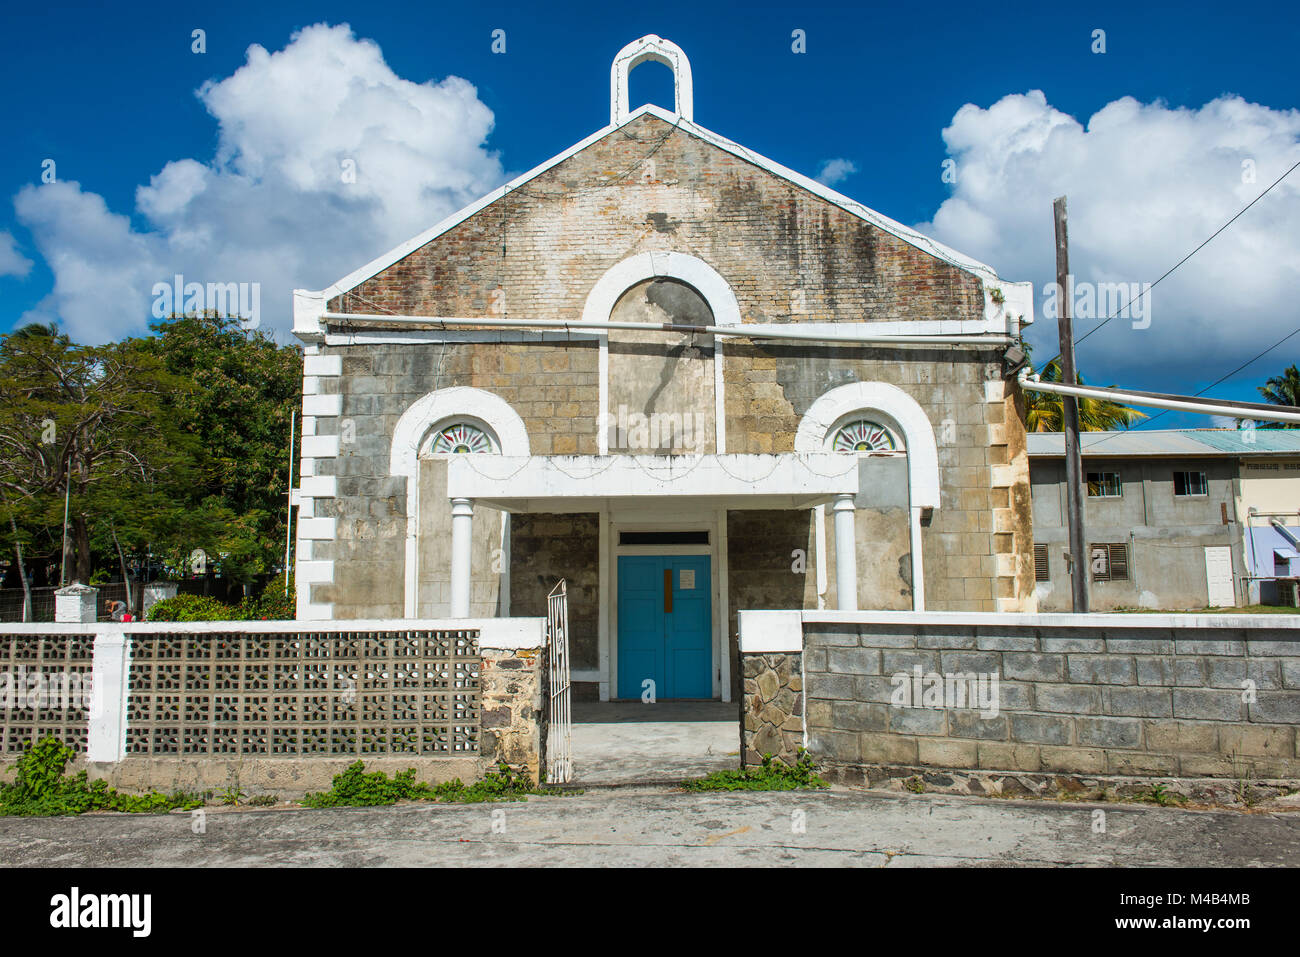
(559, 744)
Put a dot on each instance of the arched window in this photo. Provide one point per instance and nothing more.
(460, 437)
(863, 435)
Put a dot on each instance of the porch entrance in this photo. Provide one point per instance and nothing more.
(665, 626)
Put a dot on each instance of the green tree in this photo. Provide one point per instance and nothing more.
(1284, 390)
(83, 427)
(1045, 412)
(241, 390)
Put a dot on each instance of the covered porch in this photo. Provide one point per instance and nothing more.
(662, 550)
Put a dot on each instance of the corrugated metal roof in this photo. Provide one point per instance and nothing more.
(1171, 442)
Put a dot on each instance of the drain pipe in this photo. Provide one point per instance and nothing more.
(440, 322)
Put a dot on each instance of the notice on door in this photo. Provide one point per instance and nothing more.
(686, 579)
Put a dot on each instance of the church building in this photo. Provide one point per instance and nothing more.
(681, 377)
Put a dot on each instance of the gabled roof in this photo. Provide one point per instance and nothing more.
(1155, 443)
(1018, 296)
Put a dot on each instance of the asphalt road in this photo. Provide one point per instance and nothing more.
(653, 827)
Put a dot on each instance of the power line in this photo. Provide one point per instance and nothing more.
(1183, 260)
(1212, 384)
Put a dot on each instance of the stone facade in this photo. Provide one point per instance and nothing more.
(1095, 700)
(772, 712)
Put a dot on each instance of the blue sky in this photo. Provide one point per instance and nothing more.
(110, 95)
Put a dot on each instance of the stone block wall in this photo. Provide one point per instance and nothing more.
(772, 711)
(515, 717)
(1220, 699)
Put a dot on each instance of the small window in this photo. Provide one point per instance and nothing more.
(663, 538)
(863, 435)
(1104, 485)
(1109, 562)
(1190, 483)
(1040, 564)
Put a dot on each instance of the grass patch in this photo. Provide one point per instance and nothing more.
(355, 788)
(41, 788)
(1243, 610)
(769, 776)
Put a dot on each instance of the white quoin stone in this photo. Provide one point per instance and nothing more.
(76, 603)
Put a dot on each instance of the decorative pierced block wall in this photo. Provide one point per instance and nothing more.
(44, 689)
(305, 694)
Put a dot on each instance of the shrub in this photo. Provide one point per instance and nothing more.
(193, 608)
(42, 789)
(271, 604)
(770, 776)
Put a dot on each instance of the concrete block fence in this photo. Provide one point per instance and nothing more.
(1141, 695)
(277, 705)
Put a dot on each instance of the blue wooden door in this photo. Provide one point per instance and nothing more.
(665, 626)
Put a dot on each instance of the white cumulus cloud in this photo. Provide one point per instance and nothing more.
(325, 159)
(12, 262)
(1146, 184)
(836, 171)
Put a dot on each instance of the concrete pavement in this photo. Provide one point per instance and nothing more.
(642, 827)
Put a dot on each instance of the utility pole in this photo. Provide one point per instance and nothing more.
(1070, 417)
(67, 498)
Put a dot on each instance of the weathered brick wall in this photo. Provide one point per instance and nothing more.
(546, 243)
(544, 549)
(1122, 701)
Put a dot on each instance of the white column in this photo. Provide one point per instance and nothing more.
(106, 732)
(918, 567)
(846, 558)
(462, 526)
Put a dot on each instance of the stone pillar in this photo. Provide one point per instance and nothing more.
(846, 556)
(771, 662)
(106, 730)
(76, 603)
(512, 689)
(462, 530)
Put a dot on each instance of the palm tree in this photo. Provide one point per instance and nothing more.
(1282, 389)
(1045, 412)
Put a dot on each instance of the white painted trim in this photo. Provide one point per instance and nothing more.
(650, 47)
(816, 430)
(586, 675)
(415, 423)
(508, 633)
(309, 306)
(918, 561)
(771, 632)
(723, 670)
(695, 272)
(367, 337)
(603, 628)
(1095, 622)
(110, 669)
(536, 482)
(719, 399)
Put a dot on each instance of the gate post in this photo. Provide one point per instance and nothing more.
(512, 687)
(771, 661)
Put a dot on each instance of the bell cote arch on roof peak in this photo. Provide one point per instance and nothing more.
(650, 47)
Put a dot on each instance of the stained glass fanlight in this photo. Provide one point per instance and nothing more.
(461, 437)
(863, 435)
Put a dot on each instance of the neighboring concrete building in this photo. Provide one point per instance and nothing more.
(1168, 516)
(456, 462)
